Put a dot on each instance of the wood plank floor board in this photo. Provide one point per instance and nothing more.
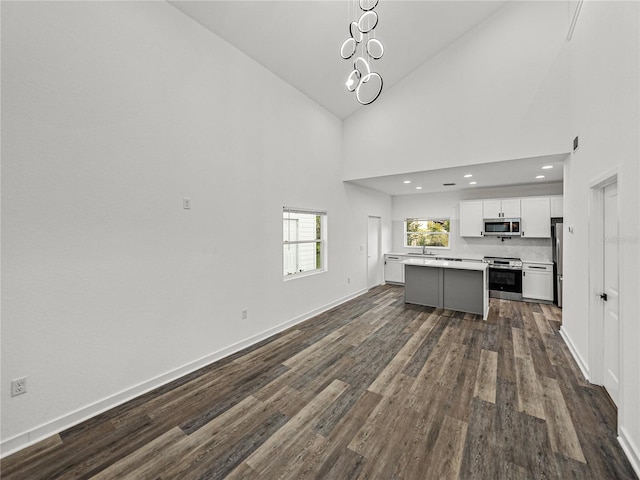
(562, 434)
(451, 365)
(143, 463)
(490, 336)
(474, 339)
(382, 461)
(537, 453)
(386, 380)
(209, 410)
(278, 448)
(194, 453)
(418, 359)
(343, 433)
(325, 364)
(506, 356)
(485, 384)
(458, 405)
(372, 388)
(327, 420)
(530, 396)
(446, 457)
(78, 459)
(275, 351)
(537, 349)
(506, 428)
(478, 459)
(221, 464)
(347, 465)
(315, 351)
(221, 445)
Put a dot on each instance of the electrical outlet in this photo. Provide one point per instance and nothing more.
(186, 203)
(244, 314)
(18, 387)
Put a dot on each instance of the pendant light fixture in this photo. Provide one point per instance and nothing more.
(365, 47)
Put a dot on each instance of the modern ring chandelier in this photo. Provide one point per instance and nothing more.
(363, 46)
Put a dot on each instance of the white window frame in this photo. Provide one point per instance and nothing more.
(322, 241)
(428, 219)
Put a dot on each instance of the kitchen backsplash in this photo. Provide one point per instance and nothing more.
(528, 249)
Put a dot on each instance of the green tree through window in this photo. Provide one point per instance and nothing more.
(432, 232)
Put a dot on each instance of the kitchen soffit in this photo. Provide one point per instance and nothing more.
(496, 174)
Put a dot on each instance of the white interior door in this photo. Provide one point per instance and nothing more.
(374, 252)
(611, 301)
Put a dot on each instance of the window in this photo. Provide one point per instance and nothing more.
(430, 232)
(304, 239)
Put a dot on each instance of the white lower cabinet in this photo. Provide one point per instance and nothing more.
(393, 269)
(537, 281)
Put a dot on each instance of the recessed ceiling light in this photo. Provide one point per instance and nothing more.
(407, 181)
(472, 183)
(418, 188)
(468, 175)
(547, 167)
(539, 176)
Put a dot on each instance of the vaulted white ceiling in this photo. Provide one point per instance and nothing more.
(300, 41)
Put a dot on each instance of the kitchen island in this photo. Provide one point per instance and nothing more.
(454, 285)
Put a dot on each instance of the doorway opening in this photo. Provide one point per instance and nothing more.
(374, 252)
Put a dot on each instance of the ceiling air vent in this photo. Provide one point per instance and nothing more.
(448, 184)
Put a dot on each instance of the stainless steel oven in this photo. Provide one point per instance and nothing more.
(505, 277)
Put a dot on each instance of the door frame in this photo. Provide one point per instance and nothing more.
(596, 278)
(379, 276)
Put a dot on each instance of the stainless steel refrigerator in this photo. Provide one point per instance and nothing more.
(556, 242)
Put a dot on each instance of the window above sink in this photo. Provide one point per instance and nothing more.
(427, 233)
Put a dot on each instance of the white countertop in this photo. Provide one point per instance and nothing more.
(437, 255)
(428, 262)
(538, 261)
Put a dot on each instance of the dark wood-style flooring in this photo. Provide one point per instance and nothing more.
(372, 389)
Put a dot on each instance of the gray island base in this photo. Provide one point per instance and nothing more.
(461, 286)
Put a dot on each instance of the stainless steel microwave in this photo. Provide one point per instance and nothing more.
(502, 227)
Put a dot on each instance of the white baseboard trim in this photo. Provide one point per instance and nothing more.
(37, 434)
(574, 353)
(630, 449)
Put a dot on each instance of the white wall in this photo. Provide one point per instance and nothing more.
(605, 114)
(440, 205)
(112, 113)
(498, 93)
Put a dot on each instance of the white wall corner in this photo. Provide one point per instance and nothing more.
(574, 13)
(574, 353)
(630, 449)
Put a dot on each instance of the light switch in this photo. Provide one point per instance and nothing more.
(186, 203)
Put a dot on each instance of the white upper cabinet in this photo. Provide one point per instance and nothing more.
(492, 208)
(536, 215)
(557, 209)
(511, 208)
(471, 219)
(506, 208)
